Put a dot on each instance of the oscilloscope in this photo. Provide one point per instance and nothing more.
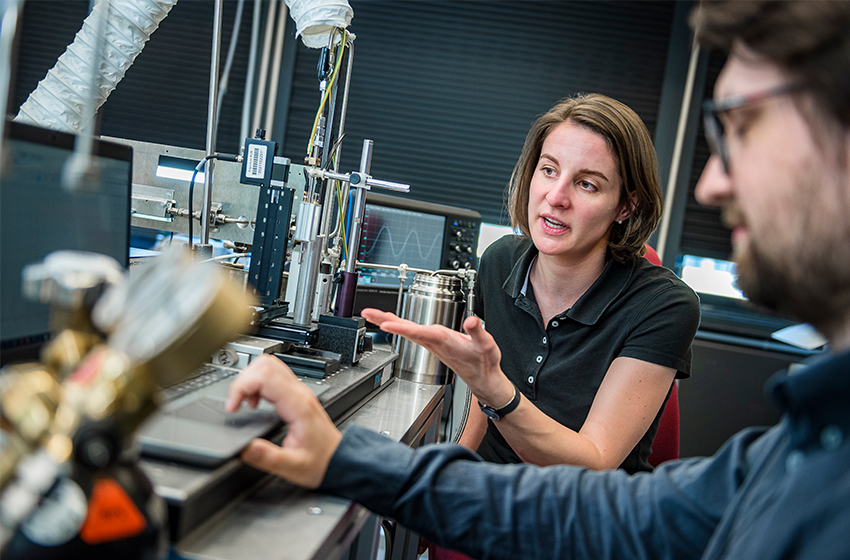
(419, 234)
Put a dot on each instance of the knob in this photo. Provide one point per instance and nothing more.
(458, 248)
(455, 265)
(459, 234)
(469, 248)
(71, 279)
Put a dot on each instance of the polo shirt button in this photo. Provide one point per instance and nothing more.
(539, 359)
(794, 461)
(831, 438)
(554, 323)
(544, 340)
(530, 379)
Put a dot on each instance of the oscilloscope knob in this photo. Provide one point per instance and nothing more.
(455, 265)
(458, 234)
(457, 248)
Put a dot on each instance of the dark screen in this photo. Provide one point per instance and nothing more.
(38, 216)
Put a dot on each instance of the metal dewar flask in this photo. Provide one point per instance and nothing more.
(430, 300)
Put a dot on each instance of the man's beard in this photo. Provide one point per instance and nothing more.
(764, 282)
(808, 282)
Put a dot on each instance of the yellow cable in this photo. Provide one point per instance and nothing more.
(328, 90)
(342, 221)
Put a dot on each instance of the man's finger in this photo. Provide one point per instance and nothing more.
(268, 378)
(266, 456)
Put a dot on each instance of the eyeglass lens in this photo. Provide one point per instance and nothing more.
(714, 135)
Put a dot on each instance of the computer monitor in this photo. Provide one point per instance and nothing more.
(395, 235)
(724, 308)
(419, 234)
(38, 216)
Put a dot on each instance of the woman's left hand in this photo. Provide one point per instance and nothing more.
(473, 356)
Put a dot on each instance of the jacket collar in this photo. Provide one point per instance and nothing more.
(818, 395)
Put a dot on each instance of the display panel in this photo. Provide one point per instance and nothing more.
(40, 216)
(723, 307)
(394, 236)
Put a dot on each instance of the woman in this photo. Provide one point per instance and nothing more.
(584, 336)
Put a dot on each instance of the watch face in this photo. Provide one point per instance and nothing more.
(490, 413)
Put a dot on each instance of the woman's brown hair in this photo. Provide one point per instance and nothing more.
(630, 144)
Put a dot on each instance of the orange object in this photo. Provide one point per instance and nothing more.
(112, 514)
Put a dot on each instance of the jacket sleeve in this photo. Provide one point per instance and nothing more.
(488, 511)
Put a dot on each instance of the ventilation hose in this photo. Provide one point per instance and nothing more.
(59, 100)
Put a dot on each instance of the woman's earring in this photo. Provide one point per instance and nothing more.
(620, 222)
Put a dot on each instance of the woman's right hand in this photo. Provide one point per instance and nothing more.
(473, 355)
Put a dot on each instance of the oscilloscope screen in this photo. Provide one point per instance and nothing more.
(394, 236)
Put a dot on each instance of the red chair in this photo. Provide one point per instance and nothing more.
(665, 447)
(652, 256)
(666, 444)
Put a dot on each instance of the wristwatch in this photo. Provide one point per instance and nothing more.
(499, 413)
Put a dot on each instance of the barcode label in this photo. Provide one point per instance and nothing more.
(256, 161)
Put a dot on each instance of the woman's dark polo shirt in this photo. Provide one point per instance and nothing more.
(637, 310)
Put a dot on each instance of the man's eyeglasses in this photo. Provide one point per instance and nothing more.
(714, 129)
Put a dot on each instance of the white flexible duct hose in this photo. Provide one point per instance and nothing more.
(59, 100)
(315, 20)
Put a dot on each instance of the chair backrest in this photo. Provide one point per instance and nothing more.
(666, 444)
(652, 256)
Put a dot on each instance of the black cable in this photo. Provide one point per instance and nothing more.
(223, 157)
(191, 196)
(332, 150)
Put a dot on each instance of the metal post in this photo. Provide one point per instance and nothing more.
(244, 130)
(681, 131)
(211, 110)
(348, 287)
(359, 208)
(8, 25)
(264, 66)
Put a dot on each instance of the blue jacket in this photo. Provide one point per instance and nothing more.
(767, 494)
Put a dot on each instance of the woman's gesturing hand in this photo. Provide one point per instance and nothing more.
(473, 355)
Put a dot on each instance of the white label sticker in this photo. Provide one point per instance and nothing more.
(256, 161)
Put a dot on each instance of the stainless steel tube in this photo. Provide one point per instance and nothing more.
(388, 185)
(359, 207)
(211, 110)
(271, 103)
(8, 25)
(311, 255)
(264, 65)
(244, 130)
(306, 226)
(366, 156)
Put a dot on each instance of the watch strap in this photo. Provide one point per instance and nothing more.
(499, 413)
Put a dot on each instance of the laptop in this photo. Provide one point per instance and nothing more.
(193, 427)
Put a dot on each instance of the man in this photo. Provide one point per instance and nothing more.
(780, 132)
